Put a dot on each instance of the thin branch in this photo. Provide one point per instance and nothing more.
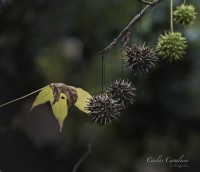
(171, 15)
(147, 2)
(20, 98)
(124, 34)
(80, 161)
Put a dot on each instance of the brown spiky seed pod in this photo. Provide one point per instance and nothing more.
(140, 58)
(103, 109)
(122, 91)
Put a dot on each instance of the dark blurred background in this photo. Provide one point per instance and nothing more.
(46, 41)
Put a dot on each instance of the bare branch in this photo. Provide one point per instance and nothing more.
(147, 2)
(85, 155)
(123, 35)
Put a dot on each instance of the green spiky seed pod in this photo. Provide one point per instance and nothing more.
(185, 14)
(140, 58)
(171, 46)
(103, 109)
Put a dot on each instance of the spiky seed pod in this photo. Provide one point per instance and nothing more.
(103, 109)
(171, 46)
(185, 14)
(140, 58)
(122, 91)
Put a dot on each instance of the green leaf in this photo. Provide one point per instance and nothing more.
(83, 99)
(45, 95)
(60, 109)
(61, 97)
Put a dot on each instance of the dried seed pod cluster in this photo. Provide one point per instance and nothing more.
(140, 58)
(122, 91)
(106, 107)
(171, 46)
(185, 14)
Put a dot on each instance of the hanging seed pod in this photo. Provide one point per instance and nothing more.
(103, 110)
(140, 58)
(122, 91)
(185, 14)
(171, 46)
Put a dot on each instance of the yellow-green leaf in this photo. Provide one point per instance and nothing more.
(83, 99)
(45, 95)
(60, 109)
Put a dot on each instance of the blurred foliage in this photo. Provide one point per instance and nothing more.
(45, 41)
